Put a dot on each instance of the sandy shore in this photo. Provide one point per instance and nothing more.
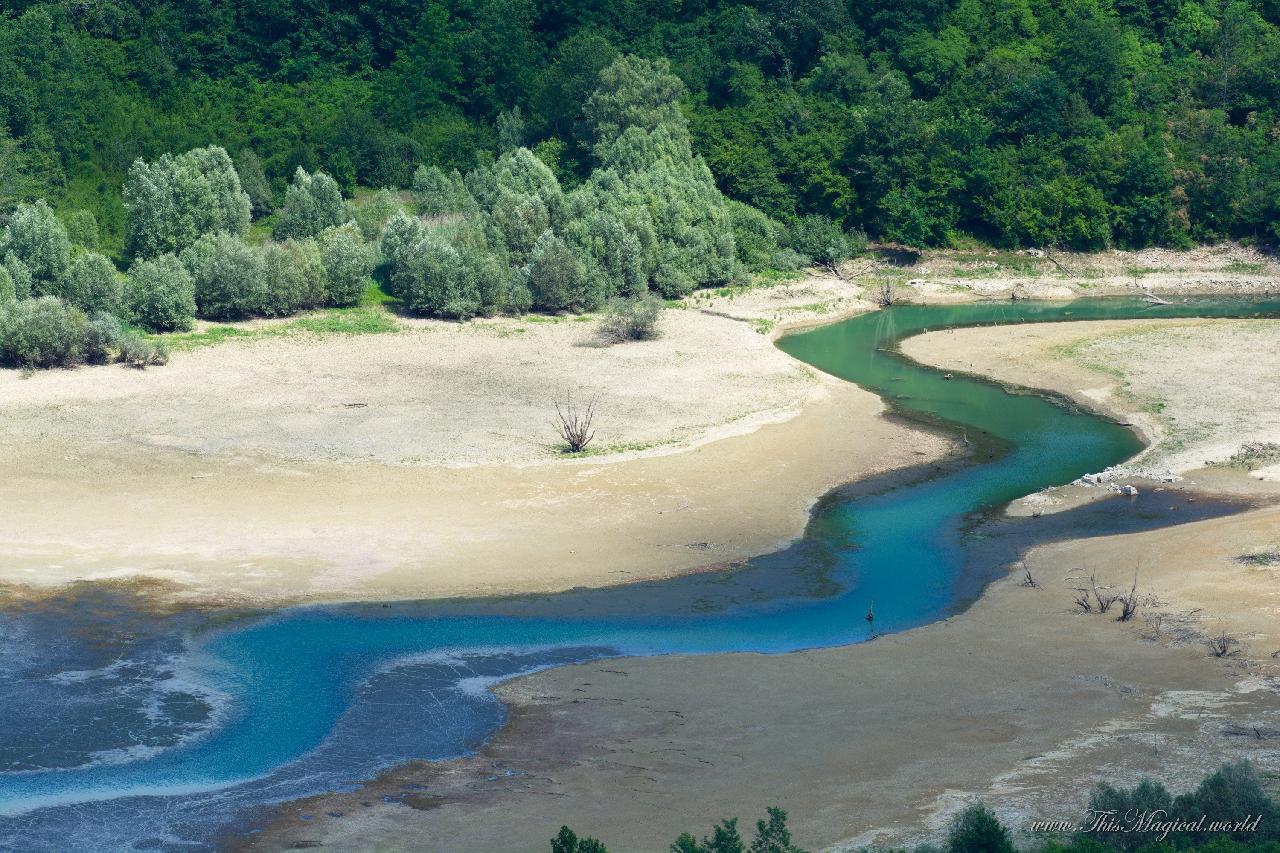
(1021, 701)
(300, 469)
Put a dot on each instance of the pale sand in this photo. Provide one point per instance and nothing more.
(1198, 389)
(243, 472)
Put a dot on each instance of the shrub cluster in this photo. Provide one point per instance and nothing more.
(47, 332)
(507, 236)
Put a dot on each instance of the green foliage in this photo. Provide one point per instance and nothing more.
(347, 262)
(42, 332)
(92, 284)
(371, 213)
(634, 319)
(141, 352)
(229, 277)
(103, 336)
(557, 278)
(430, 280)
(439, 193)
(82, 229)
(823, 241)
(7, 292)
(312, 203)
(37, 239)
(160, 295)
(19, 276)
(1082, 124)
(253, 181)
(976, 830)
(172, 202)
(567, 841)
(756, 237)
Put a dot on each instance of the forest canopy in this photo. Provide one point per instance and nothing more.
(1084, 123)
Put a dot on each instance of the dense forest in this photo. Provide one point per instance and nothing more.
(1084, 123)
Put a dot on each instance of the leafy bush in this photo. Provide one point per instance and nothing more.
(634, 319)
(229, 277)
(431, 279)
(976, 830)
(92, 284)
(19, 275)
(441, 194)
(755, 235)
(102, 338)
(312, 203)
(284, 287)
(371, 214)
(557, 278)
(160, 295)
(42, 332)
(36, 238)
(173, 201)
(7, 292)
(82, 229)
(823, 241)
(141, 352)
(347, 262)
(253, 181)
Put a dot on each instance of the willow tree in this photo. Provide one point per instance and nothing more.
(175, 200)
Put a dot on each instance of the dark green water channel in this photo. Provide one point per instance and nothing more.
(172, 731)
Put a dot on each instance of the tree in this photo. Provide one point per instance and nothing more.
(172, 202)
(635, 92)
(567, 841)
(401, 233)
(285, 288)
(160, 294)
(821, 240)
(347, 262)
(312, 203)
(557, 278)
(439, 193)
(19, 275)
(42, 332)
(7, 291)
(976, 830)
(510, 129)
(93, 285)
(253, 181)
(430, 280)
(229, 277)
(82, 229)
(39, 241)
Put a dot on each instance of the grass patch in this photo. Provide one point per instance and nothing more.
(1252, 455)
(1269, 557)
(762, 325)
(369, 317)
(1246, 267)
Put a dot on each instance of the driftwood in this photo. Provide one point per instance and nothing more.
(1155, 300)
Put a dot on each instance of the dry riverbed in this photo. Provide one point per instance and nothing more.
(1022, 701)
(375, 467)
(422, 463)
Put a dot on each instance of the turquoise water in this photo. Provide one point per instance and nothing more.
(317, 698)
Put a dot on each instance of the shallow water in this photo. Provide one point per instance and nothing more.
(158, 734)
